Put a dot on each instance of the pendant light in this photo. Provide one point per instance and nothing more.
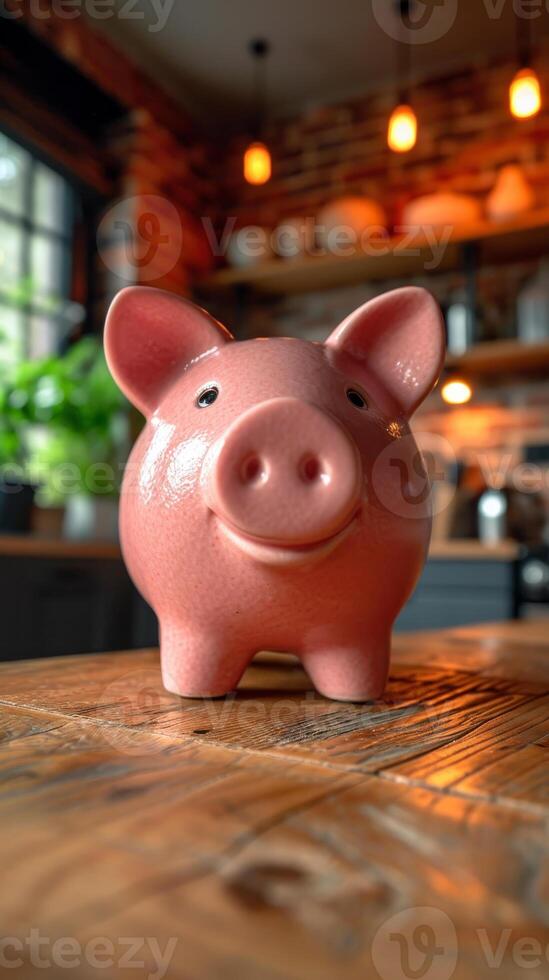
(257, 158)
(456, 391)
(525, 90)
(402, 128)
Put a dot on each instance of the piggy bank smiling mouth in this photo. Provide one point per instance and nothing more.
(271, 553)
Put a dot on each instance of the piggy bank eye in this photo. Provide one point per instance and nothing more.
(207, 397)
(356, 398)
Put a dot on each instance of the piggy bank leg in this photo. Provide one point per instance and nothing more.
(197, 664)
(346, 671)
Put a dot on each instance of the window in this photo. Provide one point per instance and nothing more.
(36, 214)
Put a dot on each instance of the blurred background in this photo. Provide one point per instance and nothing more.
(280, 163)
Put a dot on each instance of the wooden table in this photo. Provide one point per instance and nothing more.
(275, 834)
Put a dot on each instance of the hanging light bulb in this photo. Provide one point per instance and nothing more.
(525, 94)
(402, 130)
(525, 89)
(456, 391)
(257, 162)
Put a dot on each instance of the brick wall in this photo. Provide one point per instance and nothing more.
(152, 232)
(465, 134)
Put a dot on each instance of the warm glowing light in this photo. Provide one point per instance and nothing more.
(257, 164)
(402, 132)
(456, 392)
(525, 94)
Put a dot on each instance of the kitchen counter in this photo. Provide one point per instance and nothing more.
(275, 834)
(465, 549)
(35, 545)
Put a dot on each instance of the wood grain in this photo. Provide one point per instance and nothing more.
(274, 834)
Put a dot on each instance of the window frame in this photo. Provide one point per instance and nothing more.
(30, 228)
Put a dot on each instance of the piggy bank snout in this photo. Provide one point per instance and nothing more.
(285, 472)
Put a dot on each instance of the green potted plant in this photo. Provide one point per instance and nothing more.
(17, 489)
(68, 425)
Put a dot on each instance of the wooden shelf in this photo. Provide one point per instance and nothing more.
(389, 259)
(465, 549)
(33, 546)
(502, 357)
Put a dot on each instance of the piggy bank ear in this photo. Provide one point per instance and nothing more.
(151, 336)
(399, 337)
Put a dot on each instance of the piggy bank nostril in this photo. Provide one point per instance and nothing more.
(311, 470)
(253, 470)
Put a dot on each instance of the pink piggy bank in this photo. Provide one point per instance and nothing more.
(276, 498)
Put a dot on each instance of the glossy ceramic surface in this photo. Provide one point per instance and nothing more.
(276, 498)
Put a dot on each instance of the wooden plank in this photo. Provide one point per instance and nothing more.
(434, 725)
(324, 882)
(274, 834)
(256, 868)
(513, 650)
(521, 774)
(17, 723)
(484, 761)
(96, 817)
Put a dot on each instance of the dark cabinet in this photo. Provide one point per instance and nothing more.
(55, 606)
(461, 592)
